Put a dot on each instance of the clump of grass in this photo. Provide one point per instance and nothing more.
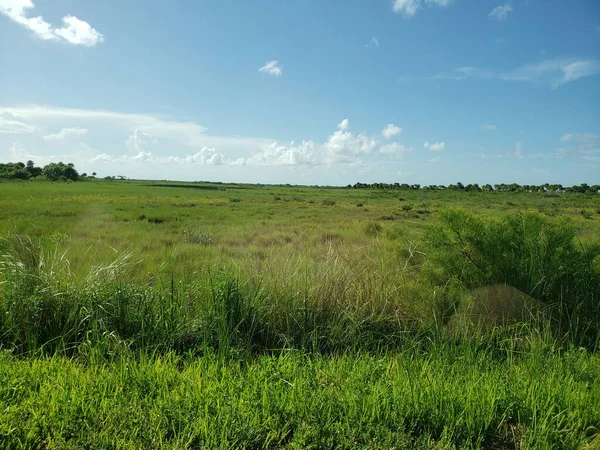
(406, 208)
(235, 199)
(328, 202)
(196, 236)
(373, 228)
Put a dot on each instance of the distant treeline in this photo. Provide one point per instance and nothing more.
(501, 187)
(51, 172)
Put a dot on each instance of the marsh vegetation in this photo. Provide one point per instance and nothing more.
(146, 315)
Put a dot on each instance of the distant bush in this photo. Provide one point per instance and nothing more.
(536, 255)
(328, 202)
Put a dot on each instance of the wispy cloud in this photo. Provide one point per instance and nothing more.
(272, 68)
(434, 160)
(552, 72)
(390, 130)
(580, 145)
(395, 149)
(488, 127)
(409, 8)
(66, 133)
(12, 124)
(435, 146)
(500, 12)
(74, 30)
(375, 41)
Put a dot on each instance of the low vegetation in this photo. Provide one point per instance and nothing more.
(234, 316)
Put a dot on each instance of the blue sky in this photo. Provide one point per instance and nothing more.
(305, 91)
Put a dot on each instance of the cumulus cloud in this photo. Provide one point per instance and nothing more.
(138, 139)
(341, 147)
(553, 72)
(500, 12)
(409, 8)
(276, 154)
(272, 68)
(390, 130)
(74, 30)
(344, 146)
(66, 133)
(147, 146)
(434, 146)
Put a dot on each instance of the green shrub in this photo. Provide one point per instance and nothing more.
(536, 255)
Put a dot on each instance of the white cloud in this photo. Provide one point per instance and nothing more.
(580, 137)
(518, 152)
(272, 68)
(488, 127)
(554, 72)
(66, 133)
(11, 124)
(341, 147)
(145, 146)
(395, 149)
(434, 160)
(138, 139)
(276, 154)
(375, 41)
(580, 145)
(78, 32)
(390, 130)
(434, 146)
(205, 156)
(409, 8)
(500, 12)
(74, 30)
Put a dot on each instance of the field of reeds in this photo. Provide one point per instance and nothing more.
(206, 315)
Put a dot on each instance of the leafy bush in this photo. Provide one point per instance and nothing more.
(536, 255)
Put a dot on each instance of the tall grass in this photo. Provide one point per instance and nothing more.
(341, 301)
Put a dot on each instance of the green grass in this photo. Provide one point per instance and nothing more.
(446, 397)
(156, 315)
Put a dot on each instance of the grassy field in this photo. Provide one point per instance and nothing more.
(196, 315)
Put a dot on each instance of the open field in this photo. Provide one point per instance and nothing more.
(177, 315)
